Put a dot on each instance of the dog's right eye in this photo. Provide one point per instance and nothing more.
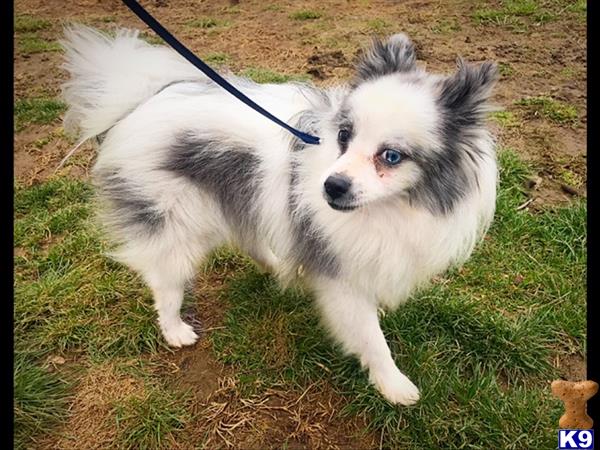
(343, 136)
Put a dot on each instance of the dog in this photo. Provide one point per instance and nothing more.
(401, 188)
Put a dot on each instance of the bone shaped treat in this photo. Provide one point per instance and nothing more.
(575, 396)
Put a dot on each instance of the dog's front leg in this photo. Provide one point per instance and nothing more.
(352, 319)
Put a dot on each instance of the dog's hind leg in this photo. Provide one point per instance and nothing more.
(167, 267)
(168, 294)
(352, 320)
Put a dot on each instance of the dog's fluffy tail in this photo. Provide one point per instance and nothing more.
(110, 76)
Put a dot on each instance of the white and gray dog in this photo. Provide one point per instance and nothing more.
(401, 188)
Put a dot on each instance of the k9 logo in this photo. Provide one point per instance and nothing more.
(570, 439)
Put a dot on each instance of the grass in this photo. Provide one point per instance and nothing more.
(30, 43)
(513, 13)
(446, 26)
(506, 119)
(206, 22)
(548, 108)
(261, 75)
(306, 14)
(40, 399)
(151, 38)
(217, 58)
(505, 69)
(40, 111)
(378, 25)
(149, 421)
(571, 178)
(479, 342)
(60, 263)
(27, 24)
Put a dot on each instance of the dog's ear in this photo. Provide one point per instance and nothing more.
(464, 95)
(396, 54)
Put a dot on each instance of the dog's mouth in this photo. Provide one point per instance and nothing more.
(344, 207)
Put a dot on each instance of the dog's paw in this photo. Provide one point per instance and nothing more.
(395, 386)
(179, 334)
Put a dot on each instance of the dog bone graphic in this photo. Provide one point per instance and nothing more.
(575, 396)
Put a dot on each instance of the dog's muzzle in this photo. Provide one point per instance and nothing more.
(337, 192)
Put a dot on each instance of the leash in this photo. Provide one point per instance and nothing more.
(147, 18)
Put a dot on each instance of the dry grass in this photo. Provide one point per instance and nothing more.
(91, 422)
(230, 419)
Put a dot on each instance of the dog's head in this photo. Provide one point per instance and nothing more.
(402, 133)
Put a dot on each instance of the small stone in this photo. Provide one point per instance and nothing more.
(569, 189)
(57, 360)
(533, 182)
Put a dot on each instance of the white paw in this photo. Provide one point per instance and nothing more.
(179, 334)
(395, 386)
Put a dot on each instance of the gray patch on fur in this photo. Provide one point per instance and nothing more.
(446, 179)
(129, 206)
(396, 54)
(311, 247)
(449, 175)
(227, 171)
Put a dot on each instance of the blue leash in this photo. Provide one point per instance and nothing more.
(210, 73)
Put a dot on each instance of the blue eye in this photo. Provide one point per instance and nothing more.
(391, 157)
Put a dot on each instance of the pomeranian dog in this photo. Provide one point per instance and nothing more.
(401, 187)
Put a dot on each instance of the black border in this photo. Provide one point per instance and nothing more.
(7, 166)
(593, 260)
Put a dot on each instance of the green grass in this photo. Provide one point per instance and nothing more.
(515, 14)
(30, 43)
(571, 178)
(217, 58)
(40, 111)
(506, 119)
(152, 38)
(378, 25)
(569, 72)
(40, 399)
(206, 22)
(306, 14)
(479, 343)
(62, 263)
(27, 24)
(148, 422)
(548, 108)
(261, 75)
(446, 26)
(505, 69)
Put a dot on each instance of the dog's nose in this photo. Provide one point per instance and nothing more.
(337, 185)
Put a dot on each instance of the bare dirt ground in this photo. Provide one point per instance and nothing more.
(546, 59)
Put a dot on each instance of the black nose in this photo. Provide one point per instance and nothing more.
(337, 185)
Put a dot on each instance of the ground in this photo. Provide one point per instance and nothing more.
(482, 342)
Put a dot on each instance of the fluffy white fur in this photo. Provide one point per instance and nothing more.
(384, 249)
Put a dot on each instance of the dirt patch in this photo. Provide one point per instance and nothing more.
(90, 424)
(571, 367)
(275, 418)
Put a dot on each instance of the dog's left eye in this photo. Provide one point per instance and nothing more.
(344, 136)
(391, 157)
